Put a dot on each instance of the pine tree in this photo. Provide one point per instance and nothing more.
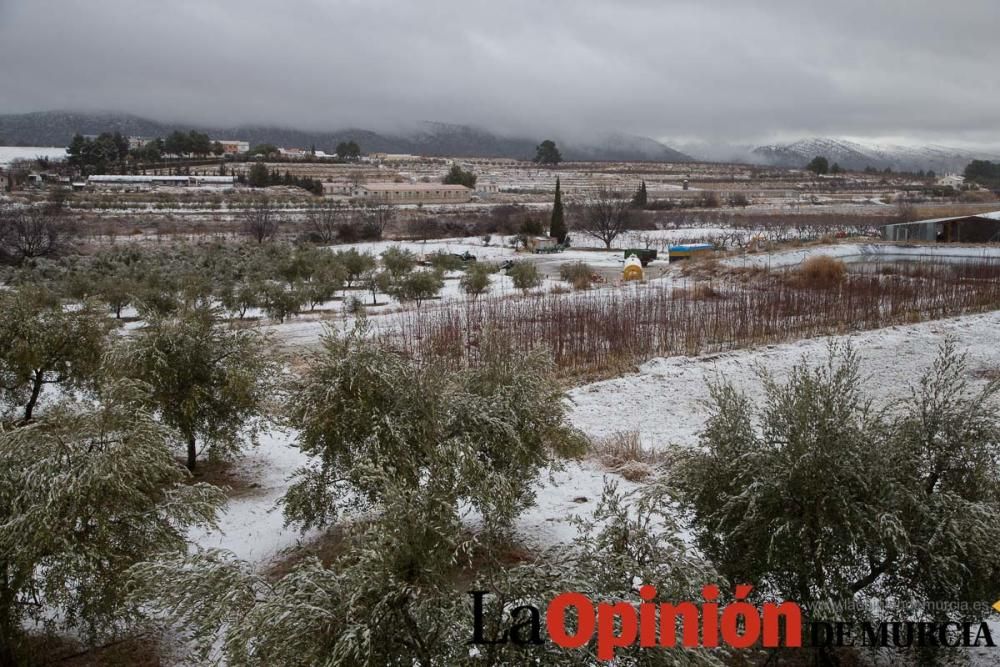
(818, 165)
(547, 153)
(557, 227)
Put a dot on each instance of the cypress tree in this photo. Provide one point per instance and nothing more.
(640, 198)
(557, 228)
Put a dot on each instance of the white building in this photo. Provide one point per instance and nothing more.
(412, 193)
(951, 180)
(132, 182)
(233, 146)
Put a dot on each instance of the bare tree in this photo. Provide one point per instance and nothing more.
(377, 217)
(324, 223)
(35, 231)
(260, 222)
(604, 214)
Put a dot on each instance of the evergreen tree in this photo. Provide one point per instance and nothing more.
(547, 153)
(818, 165)
(641, 196)
(557, 226)
(348, 150)
(458, 176)
(42, 344)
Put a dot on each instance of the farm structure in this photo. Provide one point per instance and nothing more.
(133, 182)
(979, 228)
(412, 193)
(689, 250)
(632, 269)
(234, 146)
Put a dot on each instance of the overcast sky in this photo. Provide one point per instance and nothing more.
(718, 71)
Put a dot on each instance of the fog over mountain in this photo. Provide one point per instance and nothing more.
(428, 138)
(724, 72)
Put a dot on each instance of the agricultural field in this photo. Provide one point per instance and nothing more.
(287, 379)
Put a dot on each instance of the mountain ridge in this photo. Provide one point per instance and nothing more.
(857, 155)
(56, 128)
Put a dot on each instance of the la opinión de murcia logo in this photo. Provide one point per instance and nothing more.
(739, 624)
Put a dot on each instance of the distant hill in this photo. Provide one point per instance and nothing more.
(56, 128)
(854, 155)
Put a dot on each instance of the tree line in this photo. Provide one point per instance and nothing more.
(109, 151)
(259, 176)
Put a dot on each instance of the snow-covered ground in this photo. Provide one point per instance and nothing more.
(252, 525)
(665, 402)
(868, 252)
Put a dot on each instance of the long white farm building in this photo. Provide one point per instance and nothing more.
(412, 193)
(127, 181)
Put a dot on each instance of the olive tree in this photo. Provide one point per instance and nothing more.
(413, 443)
(356, 265)
(369, 416)
(281, 302)
(398, 261)
(388, 596)
(41, 343)
(817, 496)
(476, 280)
(210, 382)
(86, 492)
(416, 286)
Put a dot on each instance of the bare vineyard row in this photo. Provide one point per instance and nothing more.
(594, 332)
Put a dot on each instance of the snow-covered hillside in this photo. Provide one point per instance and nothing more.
(855, 155)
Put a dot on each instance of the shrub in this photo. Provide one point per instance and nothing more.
(709, 199)
(697, 292)
(623, 453)
(445, 261)
(532, 227)
(355, 307)
(822, 271)
(578, 274)
(525, 275)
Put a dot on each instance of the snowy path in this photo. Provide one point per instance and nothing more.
(251, 525)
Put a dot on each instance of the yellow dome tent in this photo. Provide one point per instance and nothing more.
(633, 269)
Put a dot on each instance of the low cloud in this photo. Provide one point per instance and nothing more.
(710, 71)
